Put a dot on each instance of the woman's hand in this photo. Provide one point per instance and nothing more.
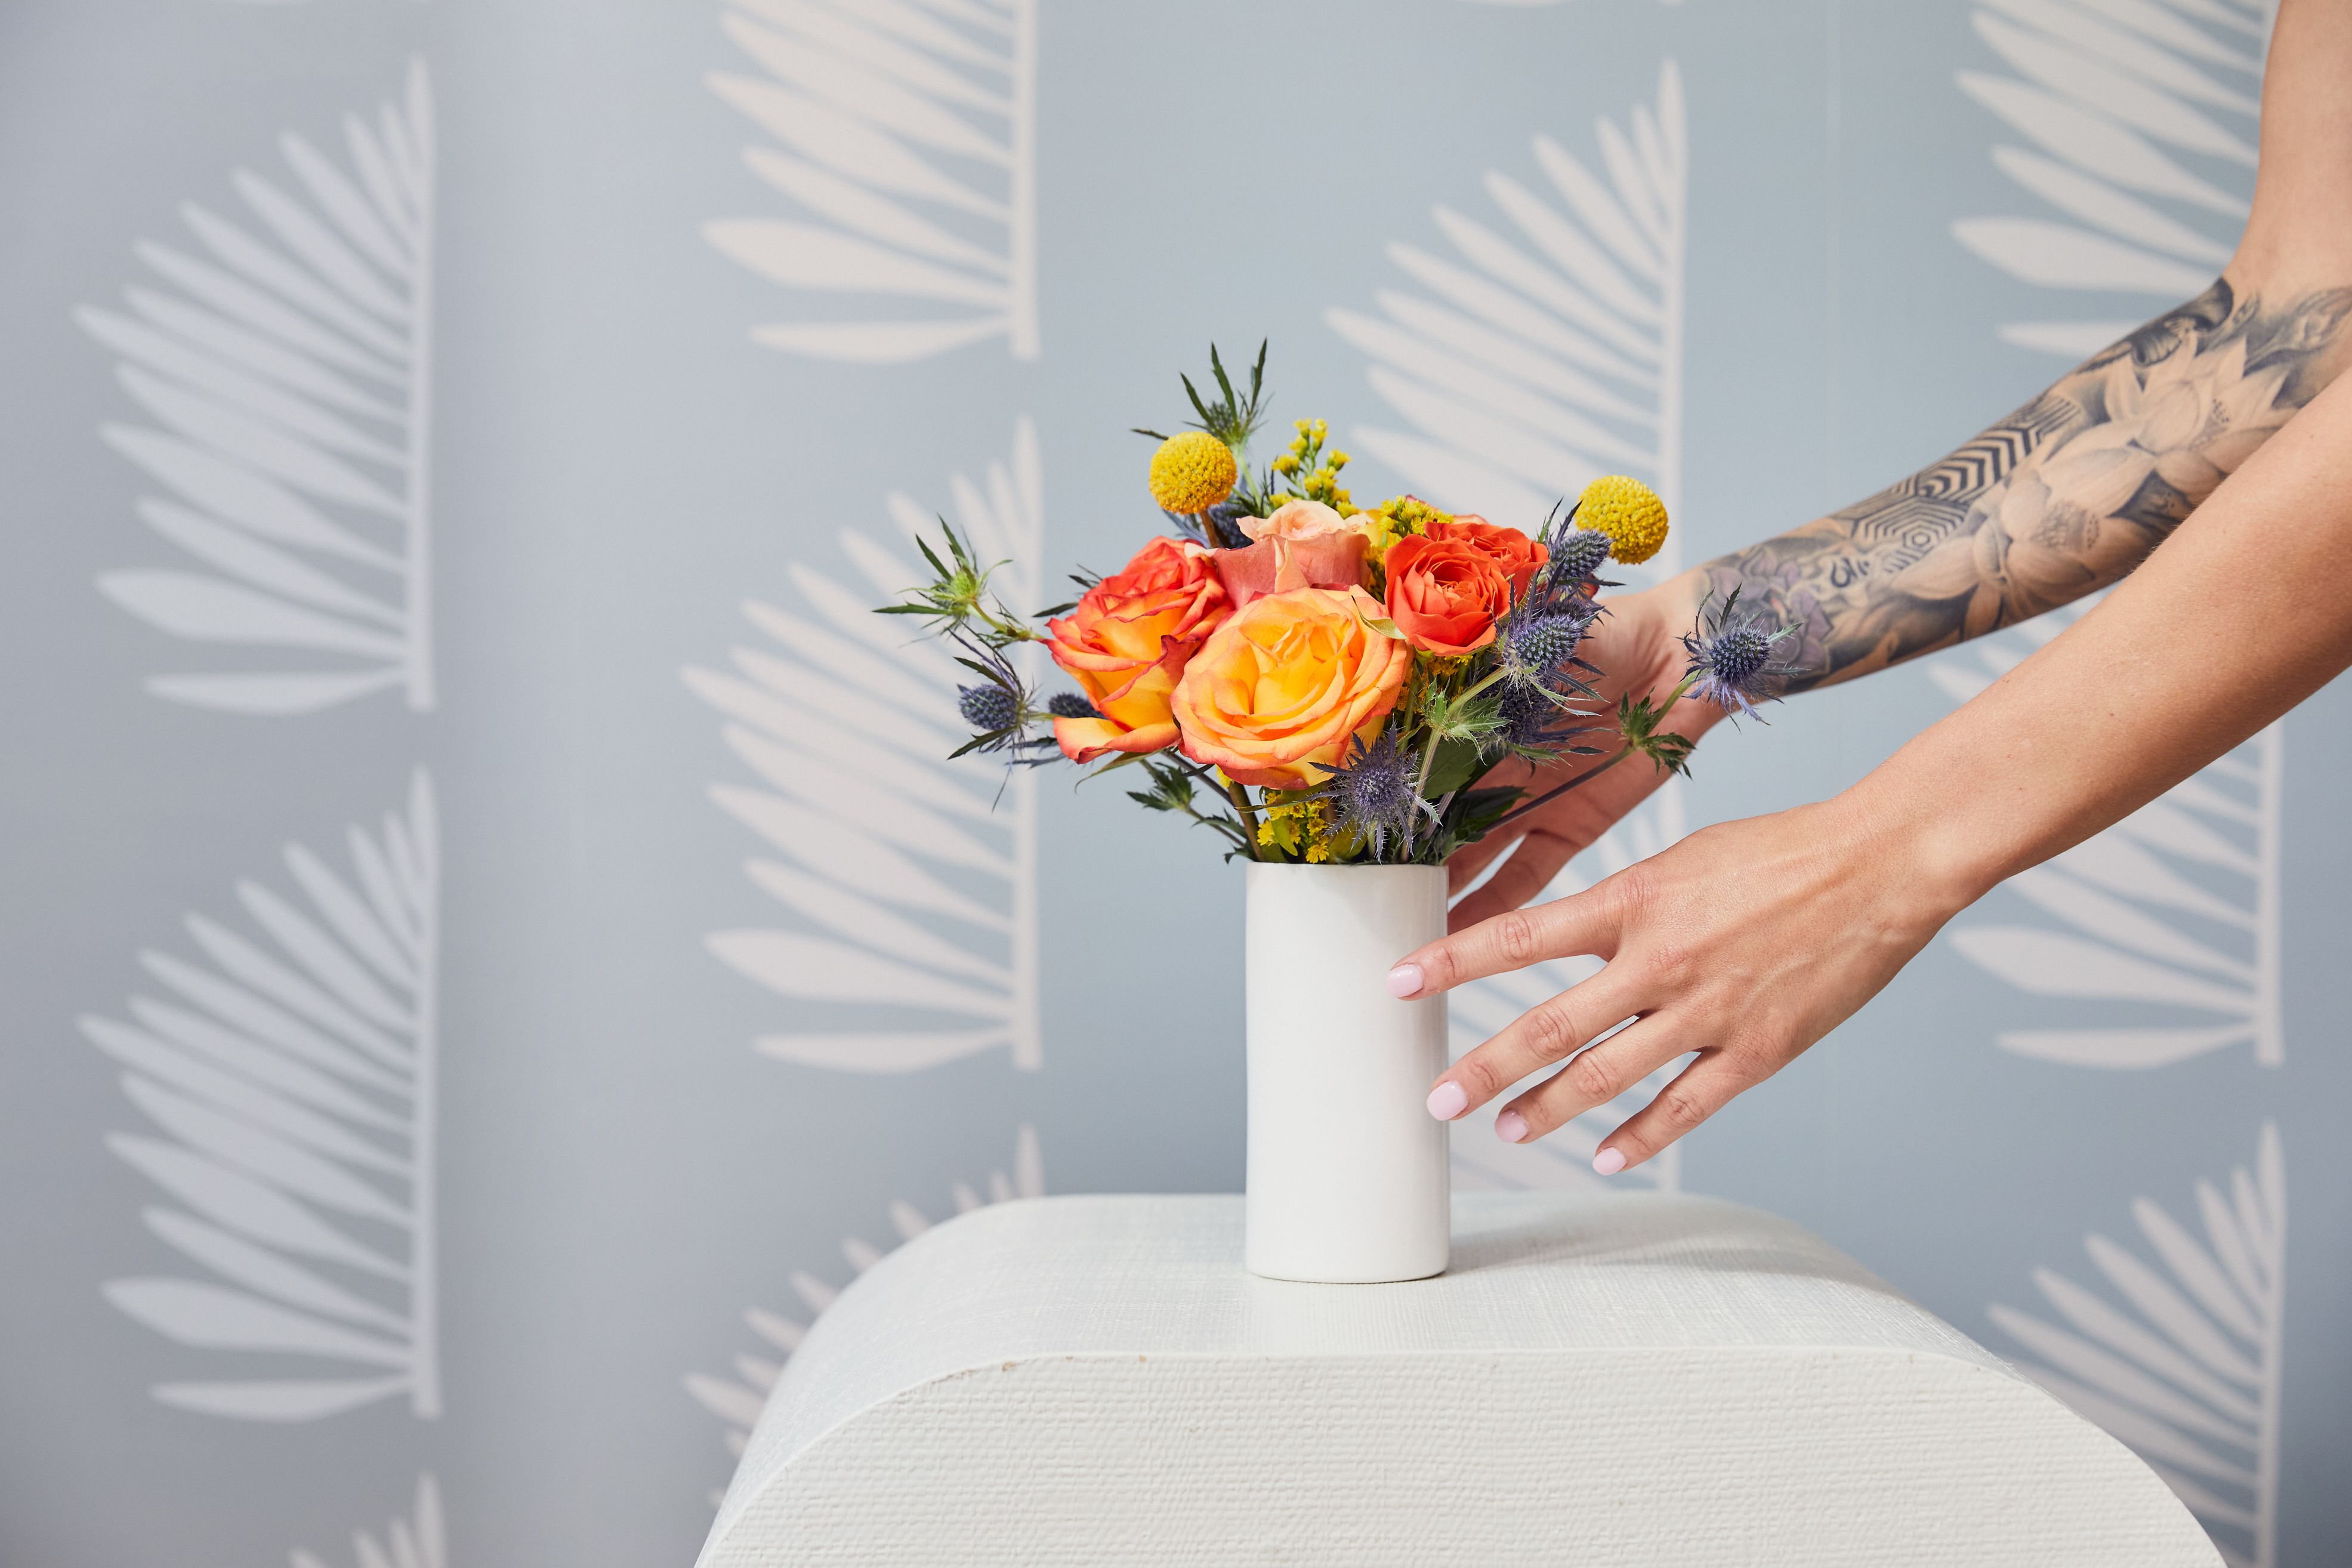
(1745, 942)
(1638, 648)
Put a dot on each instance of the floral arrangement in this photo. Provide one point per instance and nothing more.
(1318, 681)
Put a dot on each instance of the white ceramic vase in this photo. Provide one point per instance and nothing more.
(1346, 1173)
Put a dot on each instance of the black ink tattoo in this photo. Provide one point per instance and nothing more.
(2059, 499)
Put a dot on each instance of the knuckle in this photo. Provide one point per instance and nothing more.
(1590, 1077)
(1515, 938)
(1552, 1031)
(1634, 889)
(1681, 1109)
(1673, 962)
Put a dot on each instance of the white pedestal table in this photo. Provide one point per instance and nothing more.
(1635, 1381)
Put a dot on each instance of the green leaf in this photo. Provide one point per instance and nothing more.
(1454, 765)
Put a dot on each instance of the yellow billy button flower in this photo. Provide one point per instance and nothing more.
(1193, 472)
(1629, 513)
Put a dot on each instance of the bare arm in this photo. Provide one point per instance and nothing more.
(1749, 941)
(2213, 446)
(2061, 497)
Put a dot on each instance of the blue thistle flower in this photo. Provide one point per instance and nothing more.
(987, 708)
(1374, 794)
(1536, 646)
(1535, 719)
(1071, 705)
(1731, 658)
(1577, 554)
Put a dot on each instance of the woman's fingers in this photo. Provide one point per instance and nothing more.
(1583, 922)
(1521, 878)
(1697, 1092)
(1594, 1077)
(1539, 1037)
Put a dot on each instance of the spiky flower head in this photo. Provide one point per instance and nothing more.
(1535, 719)
(1629, 513)
(1373, 796)
(1191, 472)
(1732, 657)
(987, 708)
(1576, 556)
(1544, 643)
(1067, 705)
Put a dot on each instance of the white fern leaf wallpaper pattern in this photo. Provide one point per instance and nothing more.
(285, 357)
(1528, 362)
(2186, 1369)
(1547, 348)
(737, 1399)
(914, 878)
(2139, 128)
(288, 1077)
(904, 139)
(2170, 919)
(419, 1541)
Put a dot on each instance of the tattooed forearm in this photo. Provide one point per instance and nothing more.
(2061, 497)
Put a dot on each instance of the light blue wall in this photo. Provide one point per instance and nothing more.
(617, 1177)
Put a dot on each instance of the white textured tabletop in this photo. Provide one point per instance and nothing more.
(1635, 1379)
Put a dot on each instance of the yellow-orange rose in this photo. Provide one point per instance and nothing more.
(1305, 544)
(1277, 691)
(1128, 640)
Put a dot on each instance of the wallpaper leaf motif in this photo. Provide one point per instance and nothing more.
(2187, 1371)
(737, 1399)
(905, 139)
(2172, 916)
(1532, 363)
(420, 1541)
(2141, 120)
(914, 878)
(285, 359)
(291, 1078)
(1548, 348)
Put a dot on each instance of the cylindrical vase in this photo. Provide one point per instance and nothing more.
(1347, 1169)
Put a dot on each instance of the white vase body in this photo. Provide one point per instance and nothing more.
(1346, 1170)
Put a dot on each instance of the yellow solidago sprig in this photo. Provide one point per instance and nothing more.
(1297, 826)
(1629, 513)
(1314, 474)
(1397, 517)
(1192, 471)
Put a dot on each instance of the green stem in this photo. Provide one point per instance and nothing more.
(1240, 798)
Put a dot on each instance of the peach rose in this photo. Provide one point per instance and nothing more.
(1280, 689)
(1305, 544)
(1446, 594)
(1519, 557)
(1128, 640)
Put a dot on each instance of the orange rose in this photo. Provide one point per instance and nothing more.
(1276, 696)
(1446, 594)
(1128, 640)
(1305, 544)
(1519, 557)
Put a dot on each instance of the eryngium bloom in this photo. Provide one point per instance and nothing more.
(1373, 795)
(987, 708)
(1067, 705)
(1731, 658)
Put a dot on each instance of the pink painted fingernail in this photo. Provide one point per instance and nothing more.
(1510, 1127)
(1448, 1101)
(1609, 1161)
(1404, 980)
